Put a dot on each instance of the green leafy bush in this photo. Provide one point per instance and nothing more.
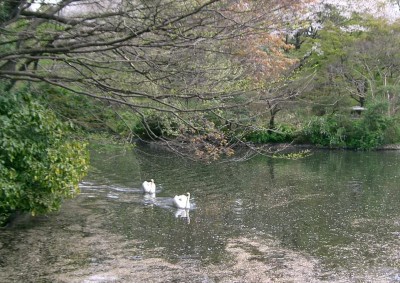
(372, 129)
(325, 131)
(39, 166)
(281, 134)
(88, 114)
(155, 124)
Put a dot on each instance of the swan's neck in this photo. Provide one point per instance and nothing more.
(187, 200)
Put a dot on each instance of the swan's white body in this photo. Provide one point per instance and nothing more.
(149, 187)
(182, 201)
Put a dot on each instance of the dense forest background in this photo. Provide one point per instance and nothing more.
(199, 77)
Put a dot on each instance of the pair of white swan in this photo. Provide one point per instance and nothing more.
(181, 201)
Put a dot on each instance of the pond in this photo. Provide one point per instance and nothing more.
(333, 216)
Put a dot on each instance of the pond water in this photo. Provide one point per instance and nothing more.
(331, 217)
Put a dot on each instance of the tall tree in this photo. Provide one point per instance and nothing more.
(373, 65)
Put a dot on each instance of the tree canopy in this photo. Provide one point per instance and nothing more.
(146, 54)
(191, 60)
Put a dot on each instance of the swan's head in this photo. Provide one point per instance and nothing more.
(188, 195)
(152, 180)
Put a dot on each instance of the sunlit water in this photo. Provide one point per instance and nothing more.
(330, 217)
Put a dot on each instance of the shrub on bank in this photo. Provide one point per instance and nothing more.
(281, 134)
(372, 129)
(39, 165)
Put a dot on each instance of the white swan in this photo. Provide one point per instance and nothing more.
(182, 201)
(149, 187)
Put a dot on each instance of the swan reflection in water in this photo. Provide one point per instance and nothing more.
(183, 214)
(149, 199)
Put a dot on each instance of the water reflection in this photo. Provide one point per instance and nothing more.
(149, 199)
(183, 213)
(332, 217)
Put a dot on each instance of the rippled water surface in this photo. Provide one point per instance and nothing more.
(331, 217)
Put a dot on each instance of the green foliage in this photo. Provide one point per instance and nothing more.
(7, 9)
(373, 129)
(92, 116)
(155, 124)
(351, 60)
(324, 130)
(39, 166)
(283, 133)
